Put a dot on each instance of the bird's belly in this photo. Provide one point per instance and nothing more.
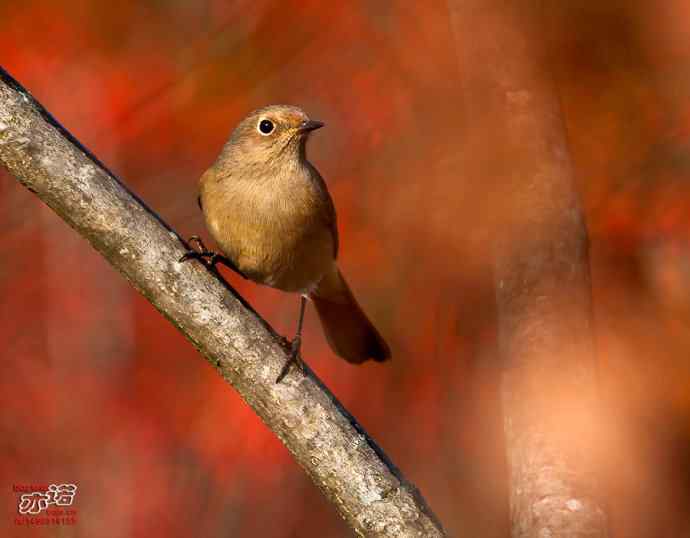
(281, 254)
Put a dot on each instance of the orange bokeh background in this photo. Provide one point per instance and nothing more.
(98, 389)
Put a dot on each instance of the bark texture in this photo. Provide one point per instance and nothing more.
(343, 461)
(541, 266)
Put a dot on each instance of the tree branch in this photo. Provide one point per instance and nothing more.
(343, 461)
(543, 291)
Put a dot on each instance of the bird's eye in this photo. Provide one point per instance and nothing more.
(266, 127)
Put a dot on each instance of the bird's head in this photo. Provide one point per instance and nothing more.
(271, 133)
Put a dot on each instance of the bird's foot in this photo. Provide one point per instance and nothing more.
(197, 251)
(207, 257)
(293, 358)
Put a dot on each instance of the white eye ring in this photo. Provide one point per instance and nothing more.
(265, 126)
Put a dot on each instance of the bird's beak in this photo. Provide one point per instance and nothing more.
(310, 125)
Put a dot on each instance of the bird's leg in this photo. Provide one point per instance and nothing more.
(208, 257)
(200, 252)
(295, 345)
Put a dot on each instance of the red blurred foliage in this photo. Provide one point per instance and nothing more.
(100, 390)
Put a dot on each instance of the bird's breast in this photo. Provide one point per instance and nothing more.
(275, 235)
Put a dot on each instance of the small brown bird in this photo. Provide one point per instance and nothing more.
(270, 212)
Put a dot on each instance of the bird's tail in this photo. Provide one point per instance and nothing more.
(348, 330)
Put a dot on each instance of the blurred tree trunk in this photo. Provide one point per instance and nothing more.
(541, 266)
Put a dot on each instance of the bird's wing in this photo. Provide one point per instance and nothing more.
(333, 224)
(208, 176)
(329, 213)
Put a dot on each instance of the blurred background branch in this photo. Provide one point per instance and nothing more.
(552, 413)
(342, 460)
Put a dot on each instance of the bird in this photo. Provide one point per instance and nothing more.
(272, 216)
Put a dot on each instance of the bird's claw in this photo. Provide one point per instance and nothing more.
(200, 253)
(201, 247)
(207, 257)
(188, 256)
(293, 358)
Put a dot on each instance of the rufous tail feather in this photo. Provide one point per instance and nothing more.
(348, 330)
